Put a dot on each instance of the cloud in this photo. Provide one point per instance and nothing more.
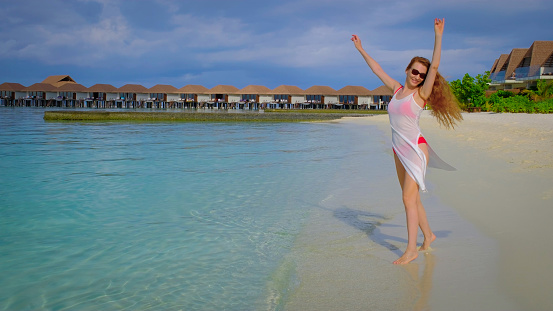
(312, 48)
(74, 41)
(204, 33)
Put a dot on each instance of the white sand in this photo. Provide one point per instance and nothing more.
(505, 187)
(491, 217)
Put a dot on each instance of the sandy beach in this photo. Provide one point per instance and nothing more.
(491, 217)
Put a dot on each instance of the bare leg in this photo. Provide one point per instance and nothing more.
(414, 211)
(429, 236)
(410, 191)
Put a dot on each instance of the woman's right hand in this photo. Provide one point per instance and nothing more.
(375, 67)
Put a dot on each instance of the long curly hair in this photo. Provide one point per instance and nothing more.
(444, 105)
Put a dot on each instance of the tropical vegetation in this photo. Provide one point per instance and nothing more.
(471, 94)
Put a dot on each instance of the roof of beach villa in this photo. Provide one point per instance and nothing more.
(320, 90)
(354, 90)
(287, 90)
(73, 87)
(539, 52)
(59, 80)
(382, 91)
(513, 61)
(163, 89)
(64, 83)
(500, 62)
(224, 89)
(103, 88)
(41, 87)
(494, 65)
(13, 87)
(256, 89)
(194, 89)
(133, 88)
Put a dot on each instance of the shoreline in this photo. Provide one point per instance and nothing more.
(491, 218)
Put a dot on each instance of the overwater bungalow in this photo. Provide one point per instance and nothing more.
(224, 96)
(164, 96)
(319, 96)
(288, 96)
(194, 96)
(102, 96)
(9, 92)
(41, 94)
(254, 95)
(354, 97)
(72, 95)
(63, 91)
(132, 96)
(381, 96)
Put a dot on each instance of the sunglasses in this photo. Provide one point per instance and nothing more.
(415, 72)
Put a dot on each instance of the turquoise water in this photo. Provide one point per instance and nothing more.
(160, 216)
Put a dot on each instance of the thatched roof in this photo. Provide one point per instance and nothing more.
(539, 52)
(287, 90)
(73, 87)
(354, 90)
(320, 90)
(224, 89)
(163, 89)
(382, 91)
(512, 61)
(133, 88)
(256, 89)
(41, 87)
(12, 87)
(500, 62)
(59, 80)
(103, 88)
(194, 89)
(494, 65)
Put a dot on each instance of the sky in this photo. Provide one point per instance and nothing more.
(256, 42)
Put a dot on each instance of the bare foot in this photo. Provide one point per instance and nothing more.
(407, 257)
(426, 244)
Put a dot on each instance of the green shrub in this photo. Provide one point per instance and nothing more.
(519, 103)
(504, 94)
(545, 106)
(510, 104)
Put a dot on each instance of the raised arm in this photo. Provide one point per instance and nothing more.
(375, 67)
(426, 88)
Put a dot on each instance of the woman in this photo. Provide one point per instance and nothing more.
(411, 152)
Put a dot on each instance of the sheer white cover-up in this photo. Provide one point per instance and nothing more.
(404, 116)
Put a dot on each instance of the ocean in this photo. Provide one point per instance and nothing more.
(166, 216)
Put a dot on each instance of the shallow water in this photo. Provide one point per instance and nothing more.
(191, 216)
